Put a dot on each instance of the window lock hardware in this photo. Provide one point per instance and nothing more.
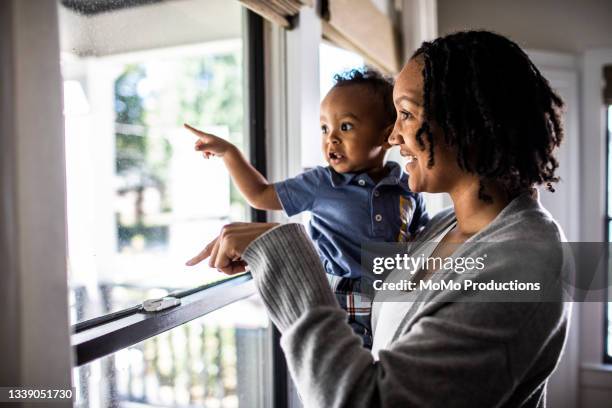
(157, 305)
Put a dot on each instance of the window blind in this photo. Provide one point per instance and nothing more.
(607, 93)
(360, 26)
(280, 12)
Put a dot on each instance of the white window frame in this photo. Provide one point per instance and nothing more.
(32, 184)
(35, 319)
(595, 376)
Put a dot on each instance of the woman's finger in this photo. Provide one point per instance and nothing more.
(229, 258)
(235, 267)
(226, 250)
(235, 241)
(205, 253)
(224, 256)
(214, 251)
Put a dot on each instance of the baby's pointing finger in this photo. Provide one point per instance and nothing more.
(195, 131)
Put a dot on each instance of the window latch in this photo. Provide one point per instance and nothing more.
(157, 305)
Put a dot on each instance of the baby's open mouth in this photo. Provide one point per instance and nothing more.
(335, 156)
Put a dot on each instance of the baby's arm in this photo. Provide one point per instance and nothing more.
(259, 193)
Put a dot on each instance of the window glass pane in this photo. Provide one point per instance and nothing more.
(333, 60)
(609, 334)
(609, 161)
(141, 201)
(609, 314)
(219, 360)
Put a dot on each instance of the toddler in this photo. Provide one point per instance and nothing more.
(355, 199)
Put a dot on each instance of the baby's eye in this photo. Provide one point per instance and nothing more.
(324, 129)
(405, 115)
(345, 127)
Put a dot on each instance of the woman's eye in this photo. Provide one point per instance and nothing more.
(323, 129)
(405, 115)
(345, 127)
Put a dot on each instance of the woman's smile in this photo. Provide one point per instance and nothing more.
(410, 159)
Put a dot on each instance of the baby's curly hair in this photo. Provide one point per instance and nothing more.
(494, 106)
(379, 84)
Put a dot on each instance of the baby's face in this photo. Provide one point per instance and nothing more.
(353, 138)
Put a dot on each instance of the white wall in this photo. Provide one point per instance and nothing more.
(581, 31)
(553, 25)
(419, 22)
(561, 70)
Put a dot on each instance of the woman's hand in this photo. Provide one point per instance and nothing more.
(226, 250)
(208, 144)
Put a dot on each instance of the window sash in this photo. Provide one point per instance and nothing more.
(607, 91)
(607, 353)
(280, 12)
(106, 334)
(94, 339)
(132, 326)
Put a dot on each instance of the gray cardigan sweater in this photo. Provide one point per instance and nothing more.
(445, 354)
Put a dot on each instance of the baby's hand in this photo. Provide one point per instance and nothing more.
(209, 145)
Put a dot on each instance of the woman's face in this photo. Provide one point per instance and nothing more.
(408, 100)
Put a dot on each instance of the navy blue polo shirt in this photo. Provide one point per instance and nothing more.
(349, 209)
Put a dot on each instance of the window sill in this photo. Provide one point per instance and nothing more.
(596, 376)
(124, 331)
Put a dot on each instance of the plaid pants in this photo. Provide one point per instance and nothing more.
(357, 304)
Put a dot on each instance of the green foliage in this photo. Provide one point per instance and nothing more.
(131, 148)
(154, 97)
(212, 95)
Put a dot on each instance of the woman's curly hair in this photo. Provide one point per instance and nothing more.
(494, 106)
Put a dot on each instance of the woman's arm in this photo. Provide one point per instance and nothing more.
(461, 354)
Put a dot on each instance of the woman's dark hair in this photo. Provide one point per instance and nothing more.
(494, 106)
(380, 85)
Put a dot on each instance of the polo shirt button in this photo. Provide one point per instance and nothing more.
(378, 217)
(376, 193)
(361, 182)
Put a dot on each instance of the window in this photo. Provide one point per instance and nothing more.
(209, 362)
(141, 201)
(334, 60)
(608, 313)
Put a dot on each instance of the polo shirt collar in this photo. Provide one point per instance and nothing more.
(341, 179)
(396, 176)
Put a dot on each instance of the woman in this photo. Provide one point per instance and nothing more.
(475, 120)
